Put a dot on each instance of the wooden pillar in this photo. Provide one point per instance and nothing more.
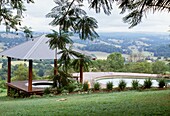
(81, 71)
(30, 76)
(55, 67)
(9, 75)
(9, 70)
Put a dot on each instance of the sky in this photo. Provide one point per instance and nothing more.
(35, 17)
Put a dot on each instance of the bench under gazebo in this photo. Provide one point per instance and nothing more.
(35, 49)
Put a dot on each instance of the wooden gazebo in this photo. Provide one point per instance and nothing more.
(35, 49)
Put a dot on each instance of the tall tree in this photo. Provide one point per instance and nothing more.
(58, 41)
(70, 17)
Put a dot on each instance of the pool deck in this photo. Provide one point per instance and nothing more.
(21, 85)
(91, 76)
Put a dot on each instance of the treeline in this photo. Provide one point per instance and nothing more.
(115, 62)
(161, 50)
(20, 71)
(105, 48)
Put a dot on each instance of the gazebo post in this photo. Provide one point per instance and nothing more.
(81, 71)
(30, 76)
(9, 74)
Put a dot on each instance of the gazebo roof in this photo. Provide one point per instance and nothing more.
(35, 49)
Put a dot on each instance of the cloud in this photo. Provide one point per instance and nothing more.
(35, 17)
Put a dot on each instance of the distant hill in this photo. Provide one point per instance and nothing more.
(123, 42)
(128, 42)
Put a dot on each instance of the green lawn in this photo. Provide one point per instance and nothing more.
(116, 103)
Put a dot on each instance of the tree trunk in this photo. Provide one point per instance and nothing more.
(81, 71)
(55, 64)
(9, 75)
(55, 67)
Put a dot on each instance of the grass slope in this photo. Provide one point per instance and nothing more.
(116, 103)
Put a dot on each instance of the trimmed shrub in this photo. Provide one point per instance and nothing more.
(161, 83)
(96, 86)
(122, 84)
(109, 85)
(86, 86)
(135, 84)
(148, 83)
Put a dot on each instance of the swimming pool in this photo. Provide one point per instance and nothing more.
(128, 81)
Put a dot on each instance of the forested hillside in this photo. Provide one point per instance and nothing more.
(127, 43)
(123, 42)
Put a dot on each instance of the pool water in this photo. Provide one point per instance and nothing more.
(41, 84)
(116, 81)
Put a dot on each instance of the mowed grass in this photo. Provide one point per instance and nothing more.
(102, 104)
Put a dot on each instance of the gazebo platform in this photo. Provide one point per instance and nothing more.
(21, 87)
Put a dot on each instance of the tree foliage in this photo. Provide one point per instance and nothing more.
(115, 61)
(21, 73)
(7, 15)
(69, 16)
(66, 12)
(58, 40)
(136, 8)
(83, 61)
(27, 31)
(159, 67)
(66, 55)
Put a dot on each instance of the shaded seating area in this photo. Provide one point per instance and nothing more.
(35, 49)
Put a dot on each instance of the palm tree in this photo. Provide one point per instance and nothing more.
(86, 28)
(67, 55)
(58, 41)
(82, 64)
(70, 17)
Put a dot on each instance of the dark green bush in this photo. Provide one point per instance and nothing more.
(47, 91)
(59, 90)
(3, 84)
(135, 84)
(71, 87)
(79, 87)
(96, 86)
(122, 84)
(148, 83)
(161, 83)
(86, 86)
(1, 90)
(109, 85)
